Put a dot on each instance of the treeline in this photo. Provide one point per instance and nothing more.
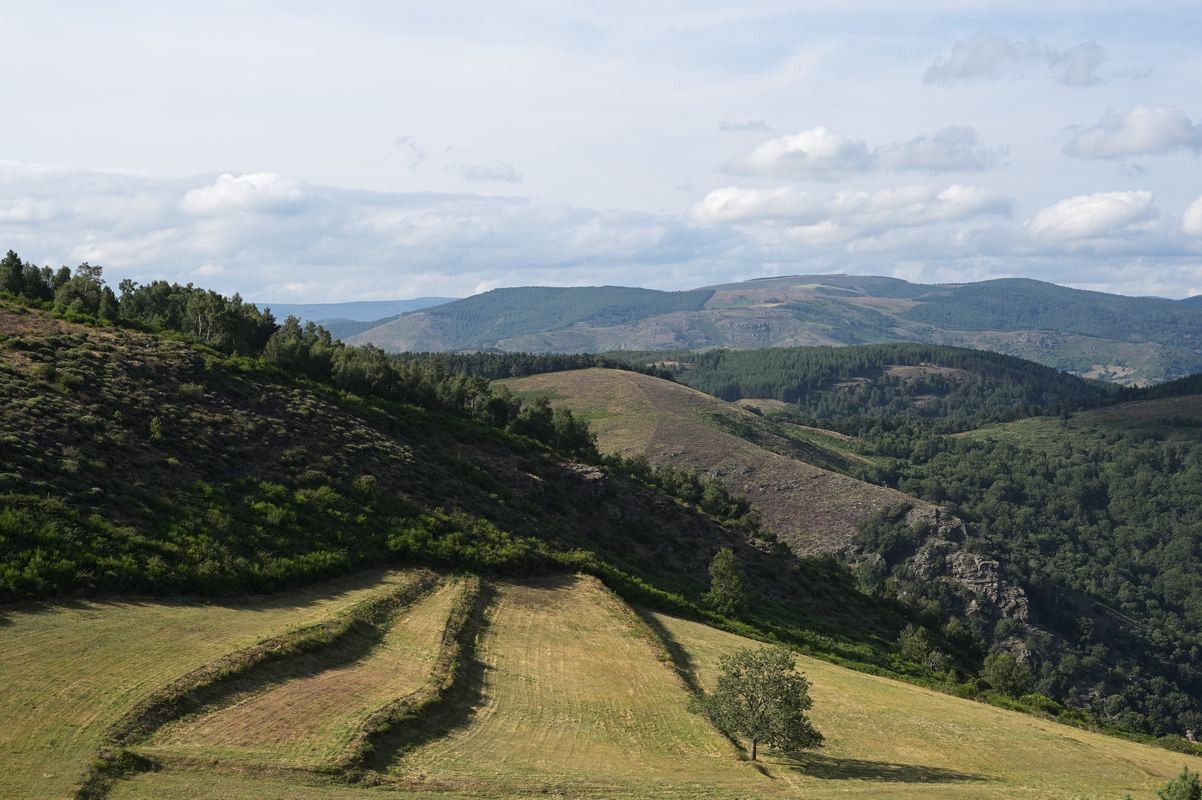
(1190, 384)
(232, 326)
(495, 366)
(853, 388)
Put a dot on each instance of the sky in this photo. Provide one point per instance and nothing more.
(323, 152)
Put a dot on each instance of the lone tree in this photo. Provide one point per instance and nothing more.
(727, 594)
(762, 698)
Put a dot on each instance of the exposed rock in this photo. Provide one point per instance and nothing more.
(991, 596)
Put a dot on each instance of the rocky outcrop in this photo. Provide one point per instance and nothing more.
(990, 596)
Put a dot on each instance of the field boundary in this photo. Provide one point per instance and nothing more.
(456, 645)
(404, 725)
(191, 690)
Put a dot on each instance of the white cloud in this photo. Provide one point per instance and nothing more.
(816, 153)
(1093, 216)
(496, 171)
(1191, 220)
(410, 151)
(732, 204)
(986, 56)
(953, 149)
(1138, 131)
(338, 243)
(849, 213)
(257, 191)
(826, 155)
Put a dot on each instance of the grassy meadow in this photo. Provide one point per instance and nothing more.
(567, 692)
(308, 715)
(70, 669)
(886, 739)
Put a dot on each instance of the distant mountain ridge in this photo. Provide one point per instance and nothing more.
(353, 311)
(1131, 340)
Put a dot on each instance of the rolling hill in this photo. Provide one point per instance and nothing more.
(788, 473)
(1124, 339)
(193, 507)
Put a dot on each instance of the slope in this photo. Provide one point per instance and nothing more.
(141, 463)
(56, 702)
(577, 698)
(814, 509)
(1126, 339)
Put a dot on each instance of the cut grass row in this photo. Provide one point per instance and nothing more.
(309, 711)
(574, 700)
(69, 671)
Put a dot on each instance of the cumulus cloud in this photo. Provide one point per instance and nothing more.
(1138, 131)
(498, 171)
(953, 149)
(257, 191)
(1191, 220)
(339, 243)
(989, 57)
(845, 214)
(822, 154)
(1093, 216)
(739, 125)
(732, 204)
(817, 153)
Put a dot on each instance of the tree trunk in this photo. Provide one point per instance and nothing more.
(753, 748)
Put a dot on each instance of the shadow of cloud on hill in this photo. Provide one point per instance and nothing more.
(827, 767)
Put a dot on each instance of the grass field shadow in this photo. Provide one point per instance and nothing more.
(817, 765)
(454, 708)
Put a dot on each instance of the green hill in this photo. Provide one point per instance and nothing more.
(1131, 340)
(950, 387)
(478, 322)
(183, 478)
(791, 476)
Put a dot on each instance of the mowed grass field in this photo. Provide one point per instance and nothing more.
(814, 509)
(309, 719)
(69, 670)
(887, 739)
(569, 694)
(576, 701)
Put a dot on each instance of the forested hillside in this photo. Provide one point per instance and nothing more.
(478, 322)
(953, 388)
(1129, 340)
(177, 441)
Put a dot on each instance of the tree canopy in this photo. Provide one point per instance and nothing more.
(761, 697)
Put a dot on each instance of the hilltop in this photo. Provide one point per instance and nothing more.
(792, 475)
(1129, 340)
